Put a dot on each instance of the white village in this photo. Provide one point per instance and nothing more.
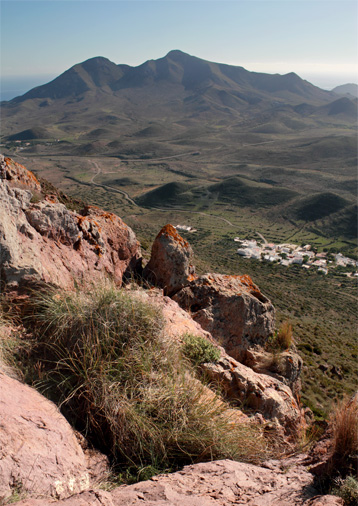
(291, 254)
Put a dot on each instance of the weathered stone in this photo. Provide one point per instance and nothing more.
(47, 242)
(39, 452)
(325, 500)
(177, 322)
(17, 175)
(219, 483)
(170, 266)
(232, 309)
(285, 366)
(262, 393)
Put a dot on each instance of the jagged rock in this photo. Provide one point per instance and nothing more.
(263, 394)
(177, 321)
(231, 308)
(39, 452)
(17, 175)
(170, 266)
(285, 366)
(47, 242)
(219, 483)
(259, 392)
(325, 500)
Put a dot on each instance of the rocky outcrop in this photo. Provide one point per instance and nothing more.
(170, 265)
(17, 175)
(219, 483)
(232, 309)
(45, 241)
(39, 453)
(285, 366)
(265, 395)
(232, 313)
(259, 393)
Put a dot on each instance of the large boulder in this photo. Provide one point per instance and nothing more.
(39, 453)
(44, 241)
(217, 483)
(232, 309)
(285, 366)
(170, 266)
(260, 393)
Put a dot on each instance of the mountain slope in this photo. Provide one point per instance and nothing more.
(95, 73)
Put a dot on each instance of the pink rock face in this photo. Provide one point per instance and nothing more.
(47, 242)
(219, 483)
(232, 309)
(39, 452)
(170, 266)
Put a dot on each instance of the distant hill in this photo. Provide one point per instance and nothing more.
(317, 206)
(347, 89)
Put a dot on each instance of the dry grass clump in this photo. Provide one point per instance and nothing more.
(284, 336)
(9, 343)
(129, 389)
(344, 425)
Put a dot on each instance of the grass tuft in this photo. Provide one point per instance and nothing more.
(344, 424)
(128, 388)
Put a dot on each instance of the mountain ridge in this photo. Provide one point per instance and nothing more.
(176, 67)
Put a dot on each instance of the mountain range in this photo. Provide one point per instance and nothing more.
(180, 89)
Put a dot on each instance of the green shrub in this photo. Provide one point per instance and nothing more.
(128, 388)
(199, 350)
(347, 489)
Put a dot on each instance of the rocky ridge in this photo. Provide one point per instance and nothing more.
(44, 242)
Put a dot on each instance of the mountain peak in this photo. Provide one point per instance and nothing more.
(176, 53)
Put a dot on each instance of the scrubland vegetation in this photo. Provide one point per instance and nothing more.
(102, 356)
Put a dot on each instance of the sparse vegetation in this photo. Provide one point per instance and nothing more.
(199, 350)
(125, 386)
(347, 489)
(9, 343)
(344, 424)
(282, 339)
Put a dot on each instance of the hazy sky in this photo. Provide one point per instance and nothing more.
(317, 39)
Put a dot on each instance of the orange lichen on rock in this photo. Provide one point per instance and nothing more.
(247, 281)
(19, 172)
(170, 231)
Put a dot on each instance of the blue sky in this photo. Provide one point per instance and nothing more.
(317, 39)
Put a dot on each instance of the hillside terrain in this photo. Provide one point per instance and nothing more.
(226, 151)
(272, 143)
(115, 369)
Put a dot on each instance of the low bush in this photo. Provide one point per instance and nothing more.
(128, 388)
(282, 339)
(347, 489)
(199, 350)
